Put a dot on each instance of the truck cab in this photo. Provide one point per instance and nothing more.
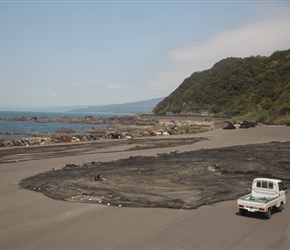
(267, 188)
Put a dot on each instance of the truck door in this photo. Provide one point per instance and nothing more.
(282, 189)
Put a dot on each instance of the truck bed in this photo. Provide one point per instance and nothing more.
(250, 202)
(257, 199)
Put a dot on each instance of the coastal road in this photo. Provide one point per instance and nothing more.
(29, 220)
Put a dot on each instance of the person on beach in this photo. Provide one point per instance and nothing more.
(98, 177)
(216, 167)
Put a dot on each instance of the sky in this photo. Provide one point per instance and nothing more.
(67, 53)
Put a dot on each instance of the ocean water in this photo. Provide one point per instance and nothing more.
(17, 129)
(58, 114)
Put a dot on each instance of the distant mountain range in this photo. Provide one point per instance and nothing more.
(132, 107)
(141, 107)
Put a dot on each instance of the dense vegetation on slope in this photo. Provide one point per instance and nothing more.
(256, 86)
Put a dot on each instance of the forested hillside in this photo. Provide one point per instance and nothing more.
(256, 87)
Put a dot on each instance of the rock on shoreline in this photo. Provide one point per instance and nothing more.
(120, 127)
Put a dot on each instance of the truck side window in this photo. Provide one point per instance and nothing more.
(258, 184)
(270, 185)
(281, 186)
(264, 184)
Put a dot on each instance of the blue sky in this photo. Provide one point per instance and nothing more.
(62, 53)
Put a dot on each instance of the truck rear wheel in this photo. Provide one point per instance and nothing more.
(268, 214)
(243, 211)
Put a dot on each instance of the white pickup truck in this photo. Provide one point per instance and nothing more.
(266, 195)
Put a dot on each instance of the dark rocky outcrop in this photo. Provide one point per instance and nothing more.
(120, 127)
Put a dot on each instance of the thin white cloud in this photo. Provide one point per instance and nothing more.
(260, 38)
(77, 84)
(54, 95)
(114, 86)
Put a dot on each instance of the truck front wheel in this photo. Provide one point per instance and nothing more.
(268, 214)
(280, 208)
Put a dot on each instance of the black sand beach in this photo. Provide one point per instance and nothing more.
(31, 220)
(177, 179)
